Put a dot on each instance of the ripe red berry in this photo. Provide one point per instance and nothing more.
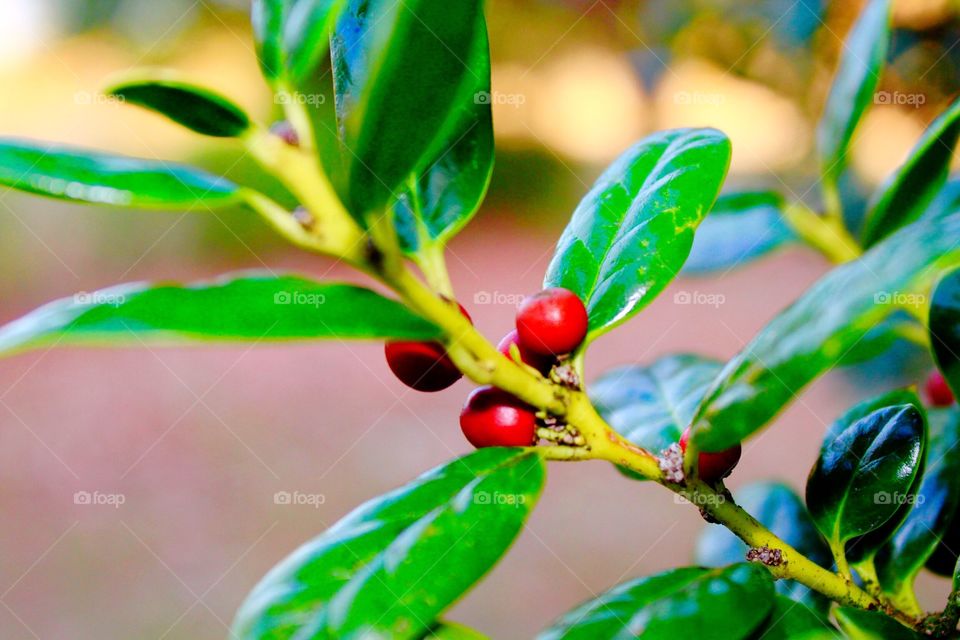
(938, 391)
(494, 418)
(714, 467)
(552, 322)
(424, 366)
(540, 362)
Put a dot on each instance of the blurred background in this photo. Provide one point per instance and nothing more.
(190, 446)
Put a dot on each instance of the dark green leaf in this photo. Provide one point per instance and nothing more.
(652, 405)
(740, 228)
(630, 235)
(401, 71)
(901, 559)
(854, 86)
(872, 625)
(449, 190)
(944, 324)
(790, 620)
(268, 18)
(907, 194)
(865, 471)
(248, 307)
(391, 566)
(815, 333)
(778, 508)
(99, 178)
(196, 108)
(691, 602)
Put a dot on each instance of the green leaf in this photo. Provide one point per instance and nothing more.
(872, 625)
(790, 620)
(453, 631)
(268, 18)
(194, 107)
(293, 37)
(690, 602)
(390, 567)
(99, 178)
(778, 508)
(813, 334)
(630, 235)
(652, 405)
(401, 71)
(944, 326)
(865, 471)
(740, 228)
(907, 194)
(444, 196)
(248, 307)
(854, 86)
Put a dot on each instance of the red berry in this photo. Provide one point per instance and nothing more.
(552, 322)
(938, 391)
(540, 362)
(714, 467)
(424, 366)
(494, 418)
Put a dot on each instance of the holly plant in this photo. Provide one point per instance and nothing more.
(386, 142)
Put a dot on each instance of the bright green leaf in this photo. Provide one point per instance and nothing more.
(854, 86)
(690, 602)
(865, 471)
(448, 191)
(453, 631)
(778, 508)
(196, 108)
(814, 333)
(244, 307)
(790, 620)
(306, 35)
(944, 325)
(900, 560)
(392, 565)
(872, 625)
(268, 18)
(741, 227)
(630, 235)
(401, 70)
(907, 194)
(99, 178)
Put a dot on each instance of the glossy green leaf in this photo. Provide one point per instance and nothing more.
(243, 307)
(448, 191)
(391, 566)
(813, 334)
(778, 508)
(865, 471)
(872, 625)
(632, 232)
(690, 602)
(99, 178)
(196, 108)
(292, 37)
(740, 228)
(907, 194)
(944, 326)
(652, 405)
(854, 86)
(401, 72)
(790, 620)
(268, 18)
(453, 631)
(900, 560)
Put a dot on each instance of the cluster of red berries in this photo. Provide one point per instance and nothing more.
(549, 324)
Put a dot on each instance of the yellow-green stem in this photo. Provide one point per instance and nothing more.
(827, 234)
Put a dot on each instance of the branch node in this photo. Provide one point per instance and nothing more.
(765, 555)
(671, 464)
